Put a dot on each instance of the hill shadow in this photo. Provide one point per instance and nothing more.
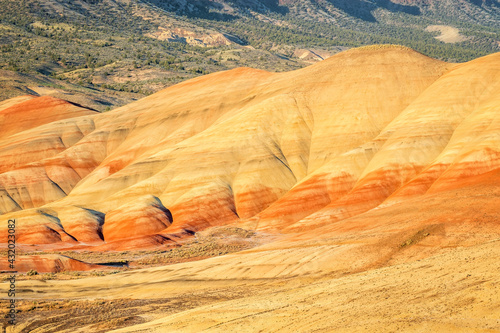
(363, 9)
(202, 9)
(210, 10)
(275, 6)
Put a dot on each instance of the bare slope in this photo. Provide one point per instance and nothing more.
(289, 152)
(226, 146)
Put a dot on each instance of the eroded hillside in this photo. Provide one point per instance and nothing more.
(367, 128)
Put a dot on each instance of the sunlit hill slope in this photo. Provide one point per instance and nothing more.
(367, 132)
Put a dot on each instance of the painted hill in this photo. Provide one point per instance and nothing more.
(365, 129)
(27, 112)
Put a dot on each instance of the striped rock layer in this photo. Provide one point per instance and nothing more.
(369, 135)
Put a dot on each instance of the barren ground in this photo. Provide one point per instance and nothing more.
(448, 34)
(278, 287)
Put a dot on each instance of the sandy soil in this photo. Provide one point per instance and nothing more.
(448, 34)
(277, 289)
(464, 297)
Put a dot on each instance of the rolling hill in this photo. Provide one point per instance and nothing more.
(367, 128)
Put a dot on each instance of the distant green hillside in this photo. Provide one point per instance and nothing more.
(131, 48)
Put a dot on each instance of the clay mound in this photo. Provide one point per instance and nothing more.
(255, 151)
(27, 113)
(39, 227)
(145, 217)
(13, 101)
(131, 243)
(447, 134)
(49, 263)
(87, 226)
(33, 131)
